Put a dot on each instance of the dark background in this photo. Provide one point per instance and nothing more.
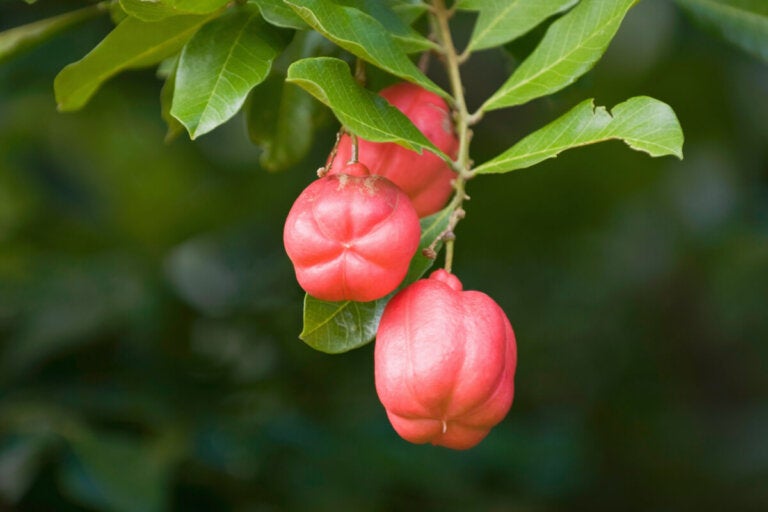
(149, 319)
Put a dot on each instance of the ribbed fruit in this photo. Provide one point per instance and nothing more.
(425, 177)
(444, 363)
(351, 236)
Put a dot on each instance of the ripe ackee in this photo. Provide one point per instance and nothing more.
(424, 177)
(444, 363)
(351, 236)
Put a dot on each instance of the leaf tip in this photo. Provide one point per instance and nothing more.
(63, 106)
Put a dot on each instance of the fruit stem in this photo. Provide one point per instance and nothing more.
(327, 167)
(353, 157)
(448, 255)
(462, 164)
(360, 78)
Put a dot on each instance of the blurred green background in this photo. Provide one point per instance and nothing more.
(149, 318)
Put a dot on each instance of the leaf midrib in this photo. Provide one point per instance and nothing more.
(220, 74)
(359, 120)
(560, 149)
(632, 141)
(343, 305)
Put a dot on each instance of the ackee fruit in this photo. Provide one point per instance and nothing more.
(351, 236)
(444, 363)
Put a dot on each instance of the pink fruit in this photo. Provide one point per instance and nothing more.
(351, 236)
(444, 363)
(425, 177)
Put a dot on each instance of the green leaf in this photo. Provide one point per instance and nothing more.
(644, 123)
(219, 66)
(409, 10)
(742, 22)
(281, 122)
(279, 14)
(336, 327)
(363, 36)
(196, 6)
(167, 67)
(361, 111)
(410, 40)
(17, 39)
(132, 44)
(282, 119)
(175, 128)
(571, 46)
(147, 11)
(502, 21)
(193, 6)
(155, 10)
(431, 228)
(116, 13)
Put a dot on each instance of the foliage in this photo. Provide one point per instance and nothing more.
(643, 123)
(226, 53)
(133, 273)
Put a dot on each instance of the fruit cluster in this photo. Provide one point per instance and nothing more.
(444, 358)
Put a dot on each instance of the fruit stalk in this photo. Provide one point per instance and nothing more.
(462, 165)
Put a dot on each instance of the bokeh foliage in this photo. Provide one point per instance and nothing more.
(149, 319)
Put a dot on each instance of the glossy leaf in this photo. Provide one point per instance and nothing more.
(132, 44)
(409, 10)
(363, 36)
(219, 66)
(281, 122)
(167, 67)
(644, 123)
(742, 22)
(431, 228)
(116, 13)
(282, 118)
(148, 11)
(502, 21)
(358, 109)
(195, 6)
(336, 327)
(385, 13)
(175, 128)
(279, 14)
(571, 46)
(154, 10)
(17, 39)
